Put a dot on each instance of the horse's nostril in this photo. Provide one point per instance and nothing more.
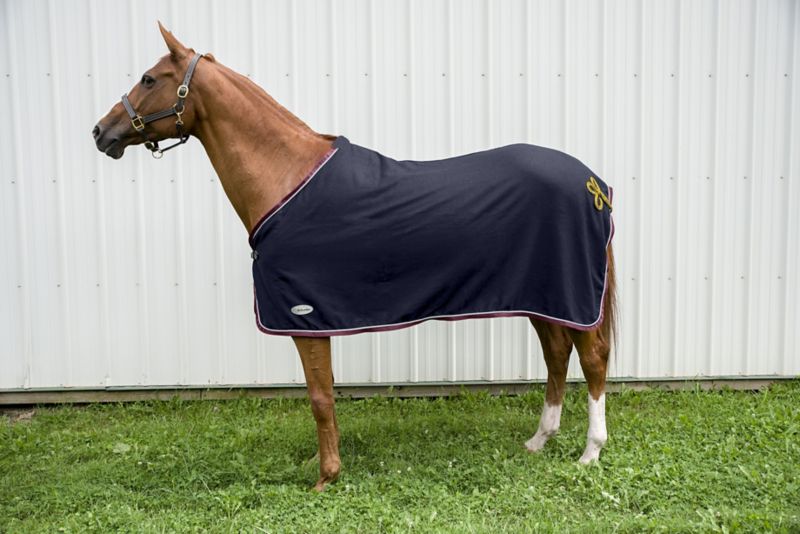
(96, 131)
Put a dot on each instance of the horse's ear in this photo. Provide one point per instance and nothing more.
(176, 49)
(209, 56)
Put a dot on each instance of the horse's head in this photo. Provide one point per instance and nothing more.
(157, 108)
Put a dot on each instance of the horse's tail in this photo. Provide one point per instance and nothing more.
(608, 328)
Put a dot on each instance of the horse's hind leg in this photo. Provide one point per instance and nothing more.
(593, 350)
(556, 345)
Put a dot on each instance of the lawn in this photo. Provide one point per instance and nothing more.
(675, 462)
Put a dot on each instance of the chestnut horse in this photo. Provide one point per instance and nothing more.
(261, 152)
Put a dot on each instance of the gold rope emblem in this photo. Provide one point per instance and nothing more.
(599, 197)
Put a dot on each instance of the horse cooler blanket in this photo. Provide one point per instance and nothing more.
(368, 243)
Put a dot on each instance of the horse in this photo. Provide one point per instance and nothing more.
(263, 155)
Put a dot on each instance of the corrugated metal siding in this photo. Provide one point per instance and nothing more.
(137, 272)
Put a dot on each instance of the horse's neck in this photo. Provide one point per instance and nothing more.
(259, 150)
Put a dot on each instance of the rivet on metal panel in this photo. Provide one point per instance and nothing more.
(708, 177)
(48, 73)
(747, 75)
(709, 75)
(745, 177)
(635, 75)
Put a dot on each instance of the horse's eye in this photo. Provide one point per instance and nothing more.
(148, 81)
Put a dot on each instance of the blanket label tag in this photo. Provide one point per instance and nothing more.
(302, 309)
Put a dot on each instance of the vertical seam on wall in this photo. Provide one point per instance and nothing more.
(714, 189)
(180, 250)
(676, 194)
(27, 333)
(65, 281)
(336, 342)
(101, 212)
(642, 189)
(528, 114)
(791, 177)
(451, 327)
(748, 298)
(412, 137)
(376, 337)
(222, 343)
(141, 242)
(491, 322)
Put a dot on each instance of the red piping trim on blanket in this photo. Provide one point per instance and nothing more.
(272, 211)
(459, 317)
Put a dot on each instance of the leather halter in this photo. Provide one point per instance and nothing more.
(178, 108)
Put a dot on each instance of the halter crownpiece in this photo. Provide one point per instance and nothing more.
(138, 122)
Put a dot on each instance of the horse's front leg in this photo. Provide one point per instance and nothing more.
(315, 353)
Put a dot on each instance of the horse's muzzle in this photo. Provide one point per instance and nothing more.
(106, 142)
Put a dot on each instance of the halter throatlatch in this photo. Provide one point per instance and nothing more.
(177, 109)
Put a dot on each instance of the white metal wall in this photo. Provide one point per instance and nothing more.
(136, 272)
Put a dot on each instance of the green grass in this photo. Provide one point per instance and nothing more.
(675, 462)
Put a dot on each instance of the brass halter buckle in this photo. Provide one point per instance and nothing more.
(183, 91)
(138, 123)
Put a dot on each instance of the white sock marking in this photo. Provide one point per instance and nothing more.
(548, 426)
(597, 435)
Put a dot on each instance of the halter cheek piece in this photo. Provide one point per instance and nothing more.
(178, 108)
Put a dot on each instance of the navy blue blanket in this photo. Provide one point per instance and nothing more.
(369, 243)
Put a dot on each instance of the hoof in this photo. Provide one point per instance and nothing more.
(591, 454)
(327, 475)
(323, 482)
(536, 443)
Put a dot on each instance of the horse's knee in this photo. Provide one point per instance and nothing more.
(322, 406)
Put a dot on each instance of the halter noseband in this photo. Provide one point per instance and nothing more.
(178, 108)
